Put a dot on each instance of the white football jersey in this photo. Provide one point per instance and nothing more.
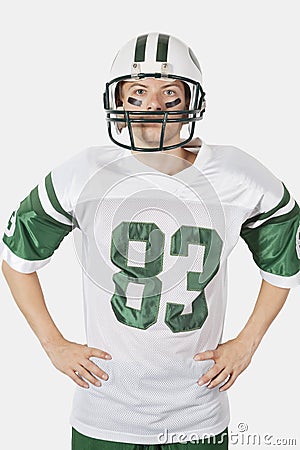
(153, 249)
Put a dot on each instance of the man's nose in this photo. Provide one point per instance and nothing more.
(154, 103)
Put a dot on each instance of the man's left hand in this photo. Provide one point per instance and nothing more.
(231, 359)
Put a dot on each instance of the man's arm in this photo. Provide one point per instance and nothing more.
(70, 358)
(232, 357)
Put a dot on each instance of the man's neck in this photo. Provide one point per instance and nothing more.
(167, 161)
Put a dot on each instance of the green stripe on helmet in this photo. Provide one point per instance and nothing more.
(140, 48)
(162, 47)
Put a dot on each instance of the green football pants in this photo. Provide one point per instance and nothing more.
(81, 442)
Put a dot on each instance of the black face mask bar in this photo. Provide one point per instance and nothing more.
(131, 117)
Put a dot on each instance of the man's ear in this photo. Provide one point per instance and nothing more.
(118, 94)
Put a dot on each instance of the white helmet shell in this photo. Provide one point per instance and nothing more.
(156, 53)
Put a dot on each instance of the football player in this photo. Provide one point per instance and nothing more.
(157, 215)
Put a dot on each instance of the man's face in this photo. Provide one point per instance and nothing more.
(151, 94)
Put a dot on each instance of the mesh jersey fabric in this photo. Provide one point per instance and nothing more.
(154, 249)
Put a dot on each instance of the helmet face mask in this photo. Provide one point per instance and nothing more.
(122, 122)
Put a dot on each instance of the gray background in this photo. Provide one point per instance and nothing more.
(55, 58)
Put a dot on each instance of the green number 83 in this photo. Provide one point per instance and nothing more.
(154, 238)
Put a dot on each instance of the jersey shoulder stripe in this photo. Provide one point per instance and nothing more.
(32, 233)
(273, 239)
(48, 206)
(259, 218)
(53, 198)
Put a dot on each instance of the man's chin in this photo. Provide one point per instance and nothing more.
(150, 138)
(153, 144)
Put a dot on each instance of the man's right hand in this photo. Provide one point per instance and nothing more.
(70, 358)
(74, 360)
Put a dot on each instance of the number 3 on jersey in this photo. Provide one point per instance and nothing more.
(147, 275)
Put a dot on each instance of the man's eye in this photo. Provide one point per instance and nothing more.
(169, 92)
(140, 91)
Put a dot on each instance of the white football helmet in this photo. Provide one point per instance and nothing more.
(161, 56)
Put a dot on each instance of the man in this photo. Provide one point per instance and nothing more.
(159, 212)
